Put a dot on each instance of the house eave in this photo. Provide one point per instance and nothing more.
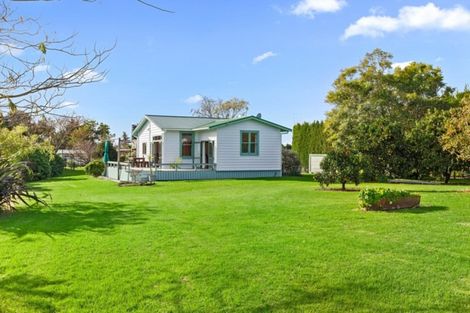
(283, 129)
(139, 126)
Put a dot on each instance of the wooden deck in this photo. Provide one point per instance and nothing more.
(166, 172)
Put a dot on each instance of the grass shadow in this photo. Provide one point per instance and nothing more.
(66, 218)
(34, 292)
(35, 187)
(68, 174)
(432, 191)
(341, 298)
(302, 178)
(421, 210)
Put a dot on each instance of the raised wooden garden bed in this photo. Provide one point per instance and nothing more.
(380, 199)
(408, 202)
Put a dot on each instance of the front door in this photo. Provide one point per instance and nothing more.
(207, 152)
(157, 152)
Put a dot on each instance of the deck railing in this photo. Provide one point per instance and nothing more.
(165, 166)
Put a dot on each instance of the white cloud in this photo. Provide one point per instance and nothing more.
(68, 105)
(311, 7)
(401, 65)
(263, 57)
(377, 10)
(426, 17)
(84, 76)
(10, 49)
(93, 75)
(193, 99)
(41, 68)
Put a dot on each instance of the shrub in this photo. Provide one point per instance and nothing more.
(95, 168)
(175, 165)
(370, 196)
(290, 163)
(13, 188)
(17, 145)
(339, 167)
(71, 164)
(57, 165)
(38, 162)
(325, 178)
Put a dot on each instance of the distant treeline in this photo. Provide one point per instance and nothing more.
(308, 138)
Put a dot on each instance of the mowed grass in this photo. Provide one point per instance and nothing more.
(274, 245)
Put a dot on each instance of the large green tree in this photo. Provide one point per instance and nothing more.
(429, 156)
(456, 138)
(375, 106)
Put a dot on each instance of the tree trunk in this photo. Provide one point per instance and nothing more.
(447, 176)
(343, 183)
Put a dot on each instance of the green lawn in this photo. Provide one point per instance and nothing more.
(278, 245)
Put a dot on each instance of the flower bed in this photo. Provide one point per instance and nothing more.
(380, 199)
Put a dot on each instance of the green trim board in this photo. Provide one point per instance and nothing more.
(249, 143)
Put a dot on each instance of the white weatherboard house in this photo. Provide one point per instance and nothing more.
(183, 147)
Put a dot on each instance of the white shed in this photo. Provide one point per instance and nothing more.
(314, 161)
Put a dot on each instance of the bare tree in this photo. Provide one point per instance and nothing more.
(146, 3)
(232, 108)
(27, 81)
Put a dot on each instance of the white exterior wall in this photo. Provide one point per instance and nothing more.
(171, 147)
(228, 148)
(146, 133)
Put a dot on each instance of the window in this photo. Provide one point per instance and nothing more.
(187, 145)
(249, 142)
(144, 148)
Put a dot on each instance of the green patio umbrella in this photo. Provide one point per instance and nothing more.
(106, 152)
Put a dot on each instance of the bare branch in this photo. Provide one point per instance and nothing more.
(154, 6)
(27, 81)
(151, 5)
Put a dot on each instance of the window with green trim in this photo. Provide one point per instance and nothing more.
(186, 145)
(249, 142)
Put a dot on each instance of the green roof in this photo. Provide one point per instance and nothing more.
(180, 122)
(226, 122)
(191, 123)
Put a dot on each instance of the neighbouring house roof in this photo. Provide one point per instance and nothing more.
(191, 123)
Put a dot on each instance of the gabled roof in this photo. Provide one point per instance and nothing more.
(191, 123)
(169, 122)
(180, 122)
(226, 122)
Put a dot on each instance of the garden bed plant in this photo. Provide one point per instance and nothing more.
(381, 199)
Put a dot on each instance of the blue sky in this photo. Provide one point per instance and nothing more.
(210, 47)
